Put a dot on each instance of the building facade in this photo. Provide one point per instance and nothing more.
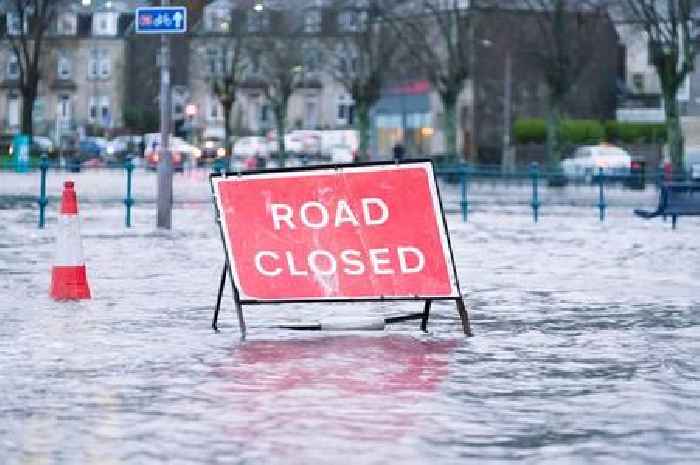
(82, 69)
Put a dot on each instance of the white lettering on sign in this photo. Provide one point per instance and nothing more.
(324, 263)
(281, 212)
(374, 256)
(384, 215)
(316, 215)
(258, 263)
(371, 211)
(403, 261)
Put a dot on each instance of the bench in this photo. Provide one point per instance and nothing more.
(676, 199)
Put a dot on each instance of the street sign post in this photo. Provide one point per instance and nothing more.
(161, 20)
(371, 232)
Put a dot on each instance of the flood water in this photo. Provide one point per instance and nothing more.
(586, 350)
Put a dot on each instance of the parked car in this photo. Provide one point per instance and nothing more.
(250, 146)
(587, 160)
(181, 151)
(88, 148)
(212, 150)
(43, 144)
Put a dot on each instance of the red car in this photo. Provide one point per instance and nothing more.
(152, 155)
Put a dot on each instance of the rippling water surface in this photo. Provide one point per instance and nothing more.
(586, 351)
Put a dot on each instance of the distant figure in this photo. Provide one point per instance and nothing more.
(399, 152)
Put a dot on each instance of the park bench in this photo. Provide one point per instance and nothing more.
(676, 199)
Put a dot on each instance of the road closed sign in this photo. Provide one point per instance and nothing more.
(351, 232)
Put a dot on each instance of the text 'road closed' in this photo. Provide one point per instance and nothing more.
(365, 232)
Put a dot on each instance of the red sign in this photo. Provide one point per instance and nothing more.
(365, 232)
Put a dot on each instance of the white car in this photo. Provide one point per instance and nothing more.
(587, 160)
(249, 146)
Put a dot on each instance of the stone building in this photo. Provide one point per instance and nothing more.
(82, 73)
(319, 103)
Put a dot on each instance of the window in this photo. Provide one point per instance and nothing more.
(218, 19)
(454, 4)
(265, 114)
(312, 21)
(93, 64)
(15, 25)
(105, 113)
(13, 110)
(105, 65)
(215, 61)
(310, 55)
(63, 66)
(99, 65)
(67, 24)
(104, 23)
(346, 111)
(638, 82)
(38, 112)
(12, 66)
(310, 113)
(92, 116)
(257, 21)
(352, 20)
(100, 111)
(64, 107)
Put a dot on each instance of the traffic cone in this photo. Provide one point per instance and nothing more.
(69, 276)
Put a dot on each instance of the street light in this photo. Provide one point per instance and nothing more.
(259, 6)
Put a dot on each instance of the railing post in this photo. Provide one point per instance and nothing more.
(601, 194)
(43, 201)
(128, 201)
(535, 202)
(463, 179)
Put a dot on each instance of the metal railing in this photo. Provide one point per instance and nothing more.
(534, 187)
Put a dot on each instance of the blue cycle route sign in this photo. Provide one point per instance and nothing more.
(161, 20)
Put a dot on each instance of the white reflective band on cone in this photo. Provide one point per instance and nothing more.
(70, 247)
(352, 324)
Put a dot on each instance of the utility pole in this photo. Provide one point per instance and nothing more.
(165, 161)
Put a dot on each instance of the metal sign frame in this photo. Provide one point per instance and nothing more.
(168, 9)
(424, 316)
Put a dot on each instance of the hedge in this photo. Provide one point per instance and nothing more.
(585, 131)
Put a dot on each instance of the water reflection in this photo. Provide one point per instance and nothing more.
(339, 389)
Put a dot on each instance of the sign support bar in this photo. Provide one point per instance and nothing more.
(423, 316)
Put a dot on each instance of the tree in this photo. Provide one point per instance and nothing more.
(569, 29)
(668, 24)
(226, 83)
(361, 56)
(440, 38)
(28, 22)
(278, 56)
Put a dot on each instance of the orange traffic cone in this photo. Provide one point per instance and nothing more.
(69, 276)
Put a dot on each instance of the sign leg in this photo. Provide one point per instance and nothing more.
(464, 316)
(426, 315)
(239, 310)
(215, 320)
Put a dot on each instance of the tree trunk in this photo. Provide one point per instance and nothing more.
(227, 130)
(449, 124)
(674, 132)
(362, 124)
(281, 120)
(553, 143)
(28, 98)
